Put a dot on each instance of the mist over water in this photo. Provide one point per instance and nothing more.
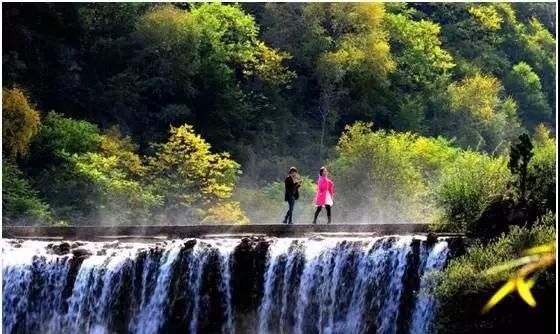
(252, 285)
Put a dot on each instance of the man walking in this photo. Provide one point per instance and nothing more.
(292, 193)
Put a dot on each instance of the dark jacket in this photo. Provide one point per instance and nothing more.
(292, 188)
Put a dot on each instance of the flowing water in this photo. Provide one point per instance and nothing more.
(253, 285)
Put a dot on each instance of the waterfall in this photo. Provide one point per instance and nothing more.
(325, 285)
(424, 310)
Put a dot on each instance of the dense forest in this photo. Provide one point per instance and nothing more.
(105, 105)
(142, 113)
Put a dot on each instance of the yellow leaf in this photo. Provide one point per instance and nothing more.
(548, 248)
(524, 291)
(499, 295)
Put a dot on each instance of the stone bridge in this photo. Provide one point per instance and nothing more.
(197, 231)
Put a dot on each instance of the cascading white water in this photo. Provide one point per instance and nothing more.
(324, 285)
(424, 310)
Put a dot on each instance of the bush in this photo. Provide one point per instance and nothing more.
(541, 176)
(385, 176)
(20, 202)
(464, 288)
(467, 186)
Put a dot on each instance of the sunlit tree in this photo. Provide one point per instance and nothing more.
(188, 176)
(20, 122)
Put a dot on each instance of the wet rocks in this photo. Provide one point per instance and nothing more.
(62, 248)
(431, 239)
(79, 252)
(190, 243)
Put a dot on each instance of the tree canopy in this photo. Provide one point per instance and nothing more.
(91, 91)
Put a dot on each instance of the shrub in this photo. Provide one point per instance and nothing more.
(20, 202)
(541, 178)
(375, 178)
(467, 186)
(385, 176)
(465, 288)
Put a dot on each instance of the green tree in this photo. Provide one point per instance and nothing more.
(357, 59)
(60, 137)
(342, 57)
(71, 196)
(115, 173)
(423, 66)
(205, 66)
(526, 89)
(488, 120)
(420, 57)
(20, 122)
(188, 176)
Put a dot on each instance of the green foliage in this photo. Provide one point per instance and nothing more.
(490, 121)
(464, 280)
(431, 155)
(115, 174)
(487, 16)
(206, 60)
(420, 57)
(20, 122)
(274, 85)
(467, 186)
(188, 175)
(61, 137)
(541, 178)
(20, 202)
(491, 38)
(358, 43)
(544, 12)
(70, 195)
(525, 87)
(399, 177)
(231, 37)
(376, 178)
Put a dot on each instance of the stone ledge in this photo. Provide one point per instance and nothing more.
(194, 231)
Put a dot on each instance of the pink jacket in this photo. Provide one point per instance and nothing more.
(325, 192)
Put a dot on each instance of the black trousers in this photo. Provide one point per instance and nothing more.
(328, 207)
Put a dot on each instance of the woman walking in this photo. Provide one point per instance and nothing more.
(325, 194)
